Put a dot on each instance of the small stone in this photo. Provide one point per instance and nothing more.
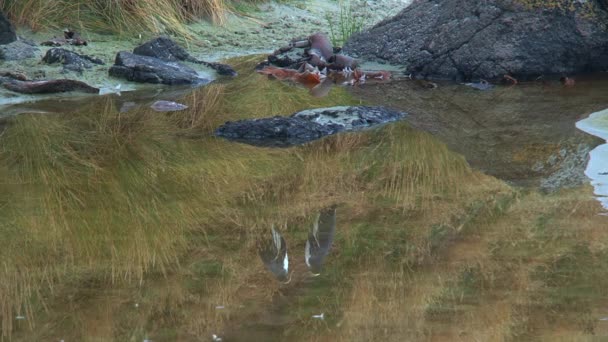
(167, 106)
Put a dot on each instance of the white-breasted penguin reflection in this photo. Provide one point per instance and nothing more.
(320, 239)
(274, 256)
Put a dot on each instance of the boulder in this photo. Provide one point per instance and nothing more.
(7, 31)
(70, 60)
(473, 39)
(306, 125)
(146, 69)
(18, 50)
(167, 50)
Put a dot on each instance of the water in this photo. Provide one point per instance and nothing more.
(597, 168)
(471, 220)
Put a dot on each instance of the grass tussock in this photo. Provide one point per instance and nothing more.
(118, 16)
(350, 20)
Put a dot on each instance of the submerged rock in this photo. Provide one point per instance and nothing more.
(465, 40)
(167, 106)
(167, 50)
(306, 125)
(146, 69)
(70, 60)
(7, 31)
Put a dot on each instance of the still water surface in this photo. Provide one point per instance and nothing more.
(471, 220)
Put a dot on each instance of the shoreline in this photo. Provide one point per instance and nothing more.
(262, 31)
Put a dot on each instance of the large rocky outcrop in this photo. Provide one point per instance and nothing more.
(306, 125)
(471, 39)
(146, 69)
(7, 31)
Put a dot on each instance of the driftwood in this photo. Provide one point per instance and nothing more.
(47, 87)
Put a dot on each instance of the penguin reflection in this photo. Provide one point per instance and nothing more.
(273, 252)
(274, 256)
(320, 239)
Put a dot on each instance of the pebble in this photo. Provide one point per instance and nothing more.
(167, 106)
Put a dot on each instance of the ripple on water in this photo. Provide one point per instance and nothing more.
(597, 168)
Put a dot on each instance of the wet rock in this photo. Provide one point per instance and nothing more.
(47, 87)
(167, 106)
(70, 60)
(18, 50)
(7, 31)
(306, 125)
(570, 166)
(464, 40)
(481, 85)
(167, 50)
(146, 69)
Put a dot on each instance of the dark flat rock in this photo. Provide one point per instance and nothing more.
(47, 87)
(473, 39)
(70, 60)
(146, 69)
(7, 31)
(307, 125)
(169, 51)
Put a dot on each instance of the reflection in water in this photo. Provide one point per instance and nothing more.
(320, 239)
(274, 256)
(523, 134)
(113, 227)
(597, 168)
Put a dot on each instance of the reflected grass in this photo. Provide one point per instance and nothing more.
(100, 211)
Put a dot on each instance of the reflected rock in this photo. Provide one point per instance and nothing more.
(306, 125)
(320, 239)
(273, 253)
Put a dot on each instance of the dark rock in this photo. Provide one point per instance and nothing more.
(146, 69)
(70, 60)
(18, 50)
(306, 125)
(464, 40)
(47, 87)
(167, 50)
(7, 31)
